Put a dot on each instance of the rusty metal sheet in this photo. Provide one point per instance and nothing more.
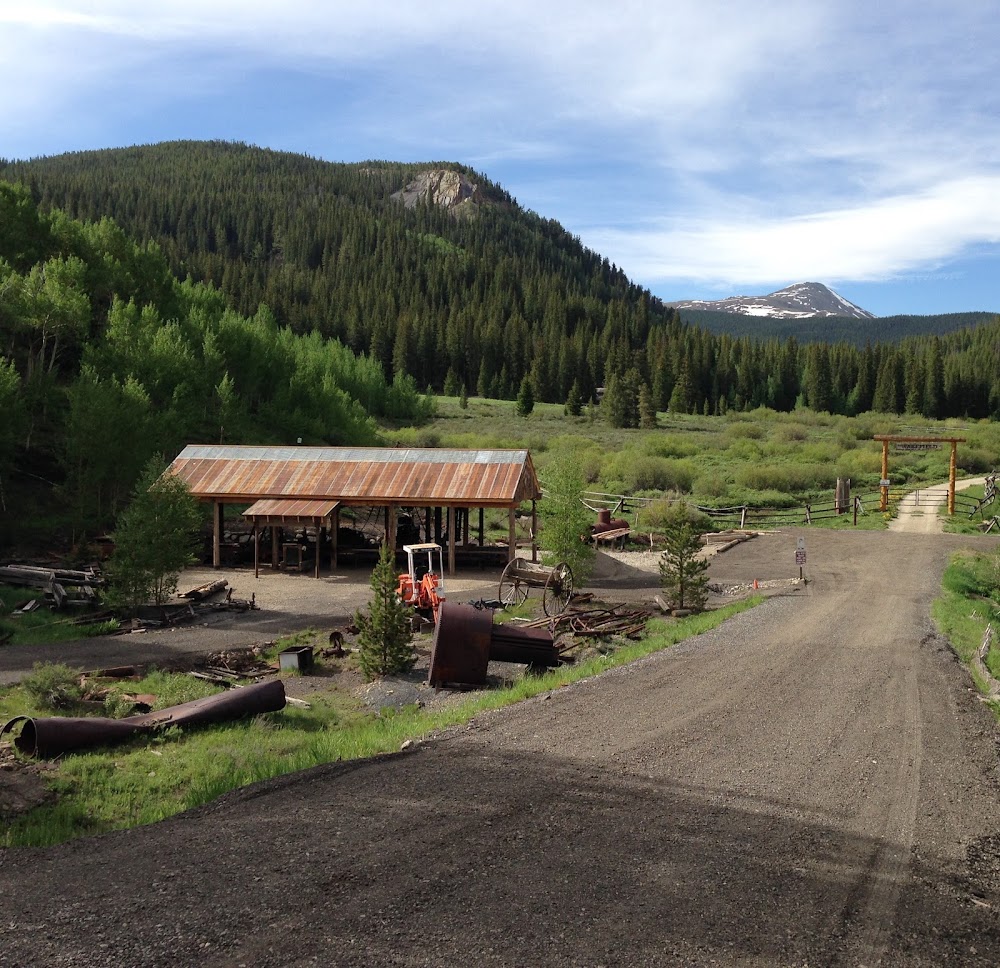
(55, 735)
(280, 508)
(351, 475)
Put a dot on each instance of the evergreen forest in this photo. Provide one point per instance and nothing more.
(210, 291)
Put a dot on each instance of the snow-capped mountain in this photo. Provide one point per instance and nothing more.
(804, 300)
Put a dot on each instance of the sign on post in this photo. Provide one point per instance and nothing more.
(800, 553)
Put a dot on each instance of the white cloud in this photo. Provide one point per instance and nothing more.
(867, 133)
(890, 237)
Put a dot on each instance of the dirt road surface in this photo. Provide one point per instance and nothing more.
(920, 510)
(814, 783)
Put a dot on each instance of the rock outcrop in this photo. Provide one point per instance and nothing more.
(440, 186)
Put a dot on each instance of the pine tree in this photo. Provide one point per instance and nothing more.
(647, 408)
(574, 403)
(525, 397)
(683, 575)
(385, 639)
(566, 519)
(155, 538)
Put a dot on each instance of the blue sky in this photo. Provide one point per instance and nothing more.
(708, 147)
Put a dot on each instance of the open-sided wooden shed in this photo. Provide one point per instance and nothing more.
(311, 484)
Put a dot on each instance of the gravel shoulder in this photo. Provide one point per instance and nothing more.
(815, 782)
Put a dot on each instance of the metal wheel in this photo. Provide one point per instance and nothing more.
(558, 589)
(513, 588)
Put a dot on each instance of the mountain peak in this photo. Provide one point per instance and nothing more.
(802, 300)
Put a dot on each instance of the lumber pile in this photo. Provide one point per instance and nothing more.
(597, 621)
(61, 587)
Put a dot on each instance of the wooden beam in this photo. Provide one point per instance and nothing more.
(217, 521)
(952, 465)
(884, 488)
(333, 538)
(511, 535)
(481, 516)
(319, 542)
(451, 541)
(256, 551)
(534, 529)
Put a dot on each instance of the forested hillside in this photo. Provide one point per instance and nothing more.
(485, 299)
(106, 359)
(833, 329)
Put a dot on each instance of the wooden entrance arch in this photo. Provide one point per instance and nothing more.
(916, 443)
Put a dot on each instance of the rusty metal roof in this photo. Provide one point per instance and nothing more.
(288, 510)
(359, 475)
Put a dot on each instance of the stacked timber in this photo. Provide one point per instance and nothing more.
(62, 586)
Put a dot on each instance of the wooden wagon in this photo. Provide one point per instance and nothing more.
(521, 575)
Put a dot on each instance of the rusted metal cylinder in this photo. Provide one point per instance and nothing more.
(53, 736)
(534, 647)
(460, 652)
(465, 640)
(604, 517)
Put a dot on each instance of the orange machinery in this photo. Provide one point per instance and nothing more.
(423, 587)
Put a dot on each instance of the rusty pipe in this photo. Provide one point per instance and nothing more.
(55, 735)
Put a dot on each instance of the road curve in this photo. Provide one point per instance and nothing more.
(814, 783)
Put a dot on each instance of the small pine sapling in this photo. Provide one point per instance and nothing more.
(385, 640)
(683, 574)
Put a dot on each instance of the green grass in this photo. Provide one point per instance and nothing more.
(759, 459)
(42, 625)
(969, 600)
(150, 779)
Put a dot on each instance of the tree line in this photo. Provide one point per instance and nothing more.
(479, 302)
(106, 359)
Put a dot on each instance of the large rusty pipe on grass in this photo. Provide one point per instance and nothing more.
(55, 735)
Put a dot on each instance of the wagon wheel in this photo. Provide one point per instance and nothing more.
(513, 588)
(558, 589)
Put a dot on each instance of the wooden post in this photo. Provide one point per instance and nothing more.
(481, 529)
(884, 488)
(451, 541)
(511, 536)
(534, 529)
(319, 542)
(390, 528)
(275, 541)
(334, 534)
(952, 465)
(256, 550)
(217, 521)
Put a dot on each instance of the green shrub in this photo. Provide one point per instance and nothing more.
(668, 445)
(711, 484)
(790, 478)
(745, 431)
(53, 685)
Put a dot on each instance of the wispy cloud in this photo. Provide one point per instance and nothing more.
(701, 139)
(884, 239)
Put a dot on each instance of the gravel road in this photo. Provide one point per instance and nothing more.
(814, 783)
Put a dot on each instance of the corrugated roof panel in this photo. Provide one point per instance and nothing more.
(379, 455)
(357, 475)
(278, 508)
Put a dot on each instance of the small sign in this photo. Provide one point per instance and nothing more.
(884, 482)
(800, 558)
(800, 544)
